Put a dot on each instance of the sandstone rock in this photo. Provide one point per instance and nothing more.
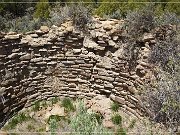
(47, 115)
(120, 100)
(70, 28)
(92, 45)
(13, 55)
(2, 90)
(57, 110)
(34, 35)
(2, 132)
(147, 37)
(44, 29)
(76, 51)
(115, 38)
(12, 37)
(111, 43)
(25, 57)
(108, 85)
(37, 59)
(107, 27)
(108, 124)
(2, 34)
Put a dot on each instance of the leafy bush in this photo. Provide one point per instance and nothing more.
(163, 100)
(36, 106)
(42, 9)
(115, 106)
(78, 13)
(139, 22)
(120, 131)
(54, 100)
(67, 104)
(53, 123)
(111, 7)
(86, 123)
(167, 18)
(116, 119)
(166, 54)
(132, 124)
(173, 7)
(19, 118)
(98, 117)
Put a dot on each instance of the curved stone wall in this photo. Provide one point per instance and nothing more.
(62, 61)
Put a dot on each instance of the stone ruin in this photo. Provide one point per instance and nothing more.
(64, 62)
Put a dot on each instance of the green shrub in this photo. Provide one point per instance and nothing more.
(162, 100)
(79, 14)
(111, 7)
(30, 127)
(19, 118)
(85, 123)
(53, 123)
(54, 100)
(167, 18)
(44, 104)
(132, 124)
(115, 106)
(116, 119)
(120, 131)
(98, 117)
(173, 7)
(67, 104)
(139, 22)
(166, 53)
(36, 106)
(42, 9)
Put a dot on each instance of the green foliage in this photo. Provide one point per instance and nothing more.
(67, 104)
(120, 131)
(173, 7)
(163, 100)
(141, 21)
(53, 123)
(98, 117)
(86, 123)
(166, 53)
(30, 127)
(42, 9)
(116, 119)
(36, 106)
(44, 104)
(15, 7)
(132, 124)
(108, 7)
(115, 106)
(19, 118)
(54, 100)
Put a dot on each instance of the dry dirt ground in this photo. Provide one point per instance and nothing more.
(35, 120)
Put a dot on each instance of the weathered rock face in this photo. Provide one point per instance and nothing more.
(64, 62)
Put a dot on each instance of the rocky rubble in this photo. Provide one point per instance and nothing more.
(62, 61)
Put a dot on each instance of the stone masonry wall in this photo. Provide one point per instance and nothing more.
(62, 61)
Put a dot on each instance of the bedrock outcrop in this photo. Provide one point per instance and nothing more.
(62, 61)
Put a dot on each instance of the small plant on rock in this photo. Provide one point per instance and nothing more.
(132, 124)
(19, 118)
(67, 104)
(53, 123)
(120, 131)
(36, 107)
(54, 100)
(116, 119)
(115, 106)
